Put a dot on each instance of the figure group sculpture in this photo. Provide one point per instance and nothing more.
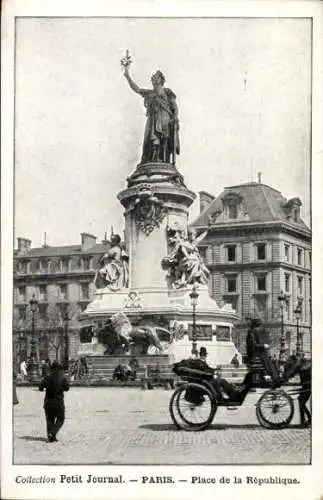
(161, 138)
(184, 263)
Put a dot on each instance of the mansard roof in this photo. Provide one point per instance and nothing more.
(261, 203)
(62, 251)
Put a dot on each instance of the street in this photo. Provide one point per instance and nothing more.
(132, 426)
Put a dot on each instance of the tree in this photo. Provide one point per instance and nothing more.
(59, 316)
(54, 327)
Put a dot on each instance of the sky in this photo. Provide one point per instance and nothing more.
(243, 89)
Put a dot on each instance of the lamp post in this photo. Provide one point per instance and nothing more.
(298, 312)
(282, 304)
(66, 342)
(194, 297)
(33, 365)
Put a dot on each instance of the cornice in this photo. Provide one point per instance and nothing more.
(45, 277)
(234, 266)
(244, 228)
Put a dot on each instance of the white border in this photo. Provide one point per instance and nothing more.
(311, 486)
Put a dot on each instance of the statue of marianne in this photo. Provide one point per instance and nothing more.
(161, 139)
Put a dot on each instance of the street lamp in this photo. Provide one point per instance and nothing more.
(194, 297)
(282, 304)
(66, 342)
(33, 365)
(298, 312)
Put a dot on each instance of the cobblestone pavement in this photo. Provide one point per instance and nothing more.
(132, 426)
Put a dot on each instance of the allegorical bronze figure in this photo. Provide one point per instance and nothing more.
(161, 138)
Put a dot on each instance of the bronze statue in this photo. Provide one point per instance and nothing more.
(161, 138)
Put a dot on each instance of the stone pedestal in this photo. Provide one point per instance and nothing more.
(156, 201)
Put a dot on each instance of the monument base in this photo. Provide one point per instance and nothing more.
(170, 309)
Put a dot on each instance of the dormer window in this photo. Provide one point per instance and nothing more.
(232, 205)
(233, 211)
(293, 209)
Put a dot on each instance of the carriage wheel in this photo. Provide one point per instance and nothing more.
(275, 409)
(192, 414)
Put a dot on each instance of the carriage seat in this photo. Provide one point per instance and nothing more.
(191, 369)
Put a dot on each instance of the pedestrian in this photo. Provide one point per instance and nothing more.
(55, 384)
(23, 369)
(15, 400)
(47, 364)
(43, 370)
(134, 365)
(257, 348)
(236, 360)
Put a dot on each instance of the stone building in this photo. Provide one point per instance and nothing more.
(60, 278)
(257, 246)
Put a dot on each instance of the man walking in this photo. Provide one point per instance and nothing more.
(55, 384)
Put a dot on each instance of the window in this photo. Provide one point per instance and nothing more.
(233, 211)
(42, 311)
(41, 265)
(63, 292)
(63, 310)
(42, 292)
(85, 293)
(21, 293)
(64, 265)
(300, 285)
(231, 253)
(202, 252)
(24, 266)
(299, 257)
(261, 283)
(231, 284)
(261, 251)
(261, 307)
(310, 259)
(87, 261)
(286, 248)
(287, 309)
(287, 282)
(22, 313)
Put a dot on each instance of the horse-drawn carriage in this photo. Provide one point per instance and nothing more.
(194, 403)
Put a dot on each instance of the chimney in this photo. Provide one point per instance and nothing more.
(105, 240)
(259, 177)
(24, 245)
(88, 241)
(45, 241)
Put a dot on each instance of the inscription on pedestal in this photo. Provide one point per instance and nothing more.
(202, 332)
(223, 333)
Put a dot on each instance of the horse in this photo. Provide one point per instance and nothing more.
(303, 368)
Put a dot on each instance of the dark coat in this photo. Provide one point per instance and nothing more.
(55, 384)
(255, 342)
